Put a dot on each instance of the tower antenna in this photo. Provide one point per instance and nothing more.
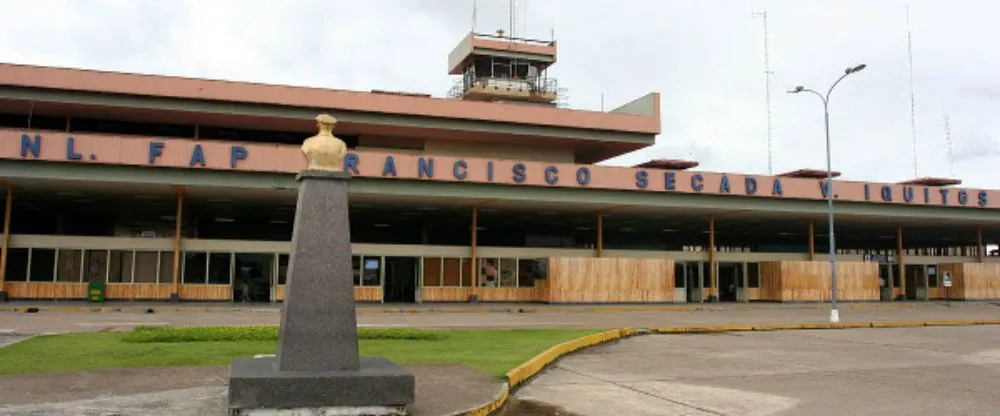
(913, 104)
(474, 16)
(513, 7)
(767, 90)
(951, 153)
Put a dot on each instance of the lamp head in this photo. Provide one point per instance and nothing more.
(855, 69)
(796, 90)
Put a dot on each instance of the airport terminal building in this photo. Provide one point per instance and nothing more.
(161, 188)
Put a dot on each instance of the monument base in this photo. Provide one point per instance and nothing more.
(380, 387)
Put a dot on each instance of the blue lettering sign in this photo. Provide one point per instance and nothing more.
(518, 170)
(155, 149)
(908, 194)
(750, 185)
(197, 156)
(236, 154)
(460, 169)
(641, 179)
(425, 167)
(697, 182)
(868, 192)
(551, 175)
(724, 185)
(351, 162)
(944, 197)
(35, 147)
(824, 188)
(389, 168)
(776, 188)
(886, 193)
(669, 181)
(963, 197)
(71, 154)
(489, 171)
(583, 175)
(983, 198)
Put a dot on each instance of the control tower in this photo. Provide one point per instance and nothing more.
(498, 68)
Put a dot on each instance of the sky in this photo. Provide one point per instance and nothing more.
(705, 57)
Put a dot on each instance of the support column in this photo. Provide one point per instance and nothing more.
(714, 286)
(600, 233)
(900, 260)
(980, 249)
(812, 240)
(178, 220)
(474, 260)
(5, 241)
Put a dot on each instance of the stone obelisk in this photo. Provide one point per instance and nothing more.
(317, 369)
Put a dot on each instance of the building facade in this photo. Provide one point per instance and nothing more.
(164, 187)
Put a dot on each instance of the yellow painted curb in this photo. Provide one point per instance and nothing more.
(525, 371)
(779, 327)
(533, 366)
(854, 325)
(904, 324)
(951, 323)
(487, 409)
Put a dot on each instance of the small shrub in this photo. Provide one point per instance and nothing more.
(148, 334)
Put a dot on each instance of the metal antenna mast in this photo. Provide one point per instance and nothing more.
(513, 8)
(951, 154)
(767, 88)
(474, 16)
(913, 104)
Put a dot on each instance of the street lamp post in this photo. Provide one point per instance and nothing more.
(834, 314)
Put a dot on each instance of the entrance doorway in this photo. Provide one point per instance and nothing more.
(400, 279)
(916, 282)
(692, 271)
(885, 278)
(253, 274)
(730, 281)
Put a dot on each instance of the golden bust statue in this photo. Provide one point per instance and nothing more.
(324, 151)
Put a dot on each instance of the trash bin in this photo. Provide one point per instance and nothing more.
(95, 292)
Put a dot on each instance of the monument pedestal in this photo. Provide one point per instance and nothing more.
(317, 369)
(378, 388)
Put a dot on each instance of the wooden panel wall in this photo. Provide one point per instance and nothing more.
(445, 294)
(368, 294)
(936, 293)
(206, 292)
(973, 281)
(615, 280)
(138, 291)
(770, 281)
(486, 294)
(361, 294)
(40, 290)
(809, 281)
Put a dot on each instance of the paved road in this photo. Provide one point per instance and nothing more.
(911, 371)
(56, 322)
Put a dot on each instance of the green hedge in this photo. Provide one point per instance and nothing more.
(167, 334)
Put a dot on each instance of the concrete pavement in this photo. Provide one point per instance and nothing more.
(197, 391)
(912, 371)
(609, 317)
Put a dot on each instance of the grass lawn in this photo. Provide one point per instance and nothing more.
(492, 351)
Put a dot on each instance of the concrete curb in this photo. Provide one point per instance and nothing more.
(532, 367)
(527, 308)
(818, 326)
